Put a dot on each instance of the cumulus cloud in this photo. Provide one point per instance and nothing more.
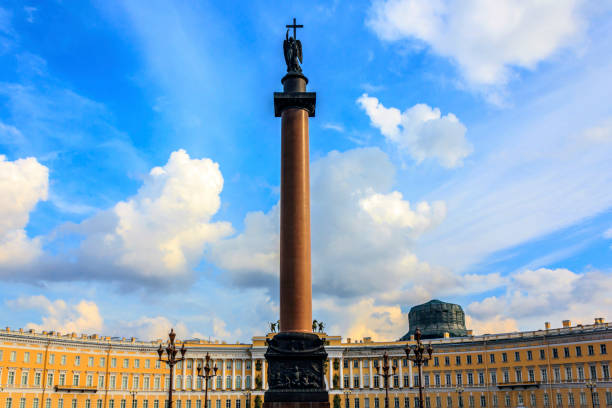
(58, 315)
(161, 232)
(486, 39)
(535, 296)
(361, 229)
(420, 131)
(23, 183)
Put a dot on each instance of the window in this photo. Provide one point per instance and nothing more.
(469, 360)
(9, 402)
(357, 402)
(26, 357)
(591, 350)
(542, 355)
(543, 374)
(49, 379)
(219, 381)
(137, 363)
(506, 376)
(531, 374)
(126, 363)
(77, 360)
(458, 360)
(529, 355)
(11, 378)
(122, 404)
(90, 362)
(449, 402)
(346, 381)
(35, 403)
(345, 363)
(426, 377)
(568, 373)
(37, 377)
(22, 403)
(100, 381)
(102, 361)
(555, 353)
(483, 401)
(112, 384)
(582, 398)
(581, 373)
(48, 403)
(507, 400)
(147, 364)
(602, 349)
(228, 381)
(493, 378)
(157, 364)
(436, 379)
(13, 356)
(247, 381)
(395, 381)
(459, 379)
(566, 352)
(495, 403)
(75, 379)
(608, 397)
(113, 362)
(63, 360)
(593, 372)
(605, 370)
(533, 399)
(471, 401)
(376, 381)
(156, 382)
(504, 357)
(89, 380)
(519, 375)
(481, 379)
(87, 403)
(470, 379)
(546, 400)
(578, 351)
(517, 356)
(376, 402)
(557, 373)
(479, 358)
(446, 361)
(436, 361)
(39, 358)
(570, 399)
(406, 402)
(24, 378)
(60, 403)
(74, 403)
(146, 383)
(492, 358)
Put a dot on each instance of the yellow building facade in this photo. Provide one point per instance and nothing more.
(545, 368)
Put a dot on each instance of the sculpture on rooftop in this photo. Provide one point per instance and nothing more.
(292, 48)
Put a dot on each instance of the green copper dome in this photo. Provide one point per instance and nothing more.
(435, 318)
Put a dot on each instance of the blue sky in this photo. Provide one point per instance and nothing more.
(459, 151)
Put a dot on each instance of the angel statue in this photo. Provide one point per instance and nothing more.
(315, 323)
(293, 53)
(273, 327)
(321, 327)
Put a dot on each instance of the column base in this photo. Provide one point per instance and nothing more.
(296, 404)
(296, 371)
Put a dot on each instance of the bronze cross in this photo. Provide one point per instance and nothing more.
(294, 26)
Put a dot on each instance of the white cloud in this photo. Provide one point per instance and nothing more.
(535, 296)
(360, 227)
(160, 233)
(23, 183)
(421, 131)
(485, 38)
(334, 126)
(82, 317)
(608, 233)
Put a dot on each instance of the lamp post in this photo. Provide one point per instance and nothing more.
(247, 399)
(460, 399)
(419, 357)
(591, 385)
(171, 360)
(207, 376)
(133, 394)
(346, 399)
(386, 374)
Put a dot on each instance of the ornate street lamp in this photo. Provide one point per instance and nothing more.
(591, 385)
(133, 394)
(419, 358)
(209, 373)
(459, 398)
(386, 374)
(171, 360)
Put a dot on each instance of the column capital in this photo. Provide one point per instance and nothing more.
(300, 100)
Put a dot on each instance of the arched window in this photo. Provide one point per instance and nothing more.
(178, 383)
(188, 382)
(238, 382)
(228, 381)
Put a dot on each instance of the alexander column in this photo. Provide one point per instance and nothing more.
(295, 355)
